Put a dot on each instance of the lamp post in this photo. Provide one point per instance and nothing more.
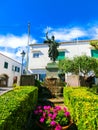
(23, 55)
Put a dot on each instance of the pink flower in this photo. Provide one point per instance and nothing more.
(42, 119)
(44, 114)
(54, 116)
(65, 108)
(39, 107)
(36, 112)
(47, 107)
(58, 127)
(58, 108)
(53, 123)
(50, 115)
(67, 114)
(40, 111)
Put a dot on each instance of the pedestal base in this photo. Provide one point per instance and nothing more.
(52, 70)
(55, 86)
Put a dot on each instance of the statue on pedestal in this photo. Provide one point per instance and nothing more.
(52, 80)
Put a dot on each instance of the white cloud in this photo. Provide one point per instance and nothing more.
(67, 34)
(47, 29)
(14, 45)
(93, 32)
(13, 41)
(72, 33)
(7, 54)
(12, 55)
(15, 56)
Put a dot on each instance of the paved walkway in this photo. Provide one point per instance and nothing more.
(31, 125)
(59, 101)
(4, 90)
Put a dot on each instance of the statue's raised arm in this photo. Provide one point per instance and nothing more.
(47, 36)
(47, 39)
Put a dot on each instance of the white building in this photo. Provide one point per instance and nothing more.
(10, 71)
(38, 57)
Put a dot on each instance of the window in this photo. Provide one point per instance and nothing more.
(13, 68)
(5, 65)
(61, 55)
(35, 55)
(18, 69)
(94, 53)
(42, 77)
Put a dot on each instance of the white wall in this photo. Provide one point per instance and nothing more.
(11, 74)
(71, 49)
(76, 49)
(43, 59)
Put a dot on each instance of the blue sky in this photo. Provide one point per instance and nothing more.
(67, 20)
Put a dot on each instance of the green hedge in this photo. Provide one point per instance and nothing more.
(15, 107)
(83, 106)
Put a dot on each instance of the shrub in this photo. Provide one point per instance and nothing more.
(15, 107)
(83, 106)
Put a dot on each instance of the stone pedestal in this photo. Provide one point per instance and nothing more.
(52, 70)
(52, 80)
(54, 86)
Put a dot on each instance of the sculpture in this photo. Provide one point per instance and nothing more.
(53, 51)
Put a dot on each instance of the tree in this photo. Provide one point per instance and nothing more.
(79, 64)
(94, 43)
(82, 66)
(66, 65)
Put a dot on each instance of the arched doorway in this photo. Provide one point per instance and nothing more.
(15, 79)
(3, 80)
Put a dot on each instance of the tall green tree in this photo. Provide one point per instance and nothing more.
(94, 43)
(79, 64)
(66, 65)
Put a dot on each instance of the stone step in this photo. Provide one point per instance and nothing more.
(57, 100)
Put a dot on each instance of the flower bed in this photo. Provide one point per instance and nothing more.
(52, 117)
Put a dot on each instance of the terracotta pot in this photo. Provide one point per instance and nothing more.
(66, 127)
(63, 127)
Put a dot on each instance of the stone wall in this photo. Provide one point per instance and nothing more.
(73, 80)
(27, 80)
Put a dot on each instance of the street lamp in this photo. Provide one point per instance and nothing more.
(23, 55)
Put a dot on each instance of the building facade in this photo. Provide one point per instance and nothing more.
(10, 71)
(38, 57)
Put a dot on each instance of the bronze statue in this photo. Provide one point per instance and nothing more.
(53, 51)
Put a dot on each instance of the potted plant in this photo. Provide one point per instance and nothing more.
(53, 118)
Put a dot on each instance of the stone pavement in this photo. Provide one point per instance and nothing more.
(4, 90)
(59, 101)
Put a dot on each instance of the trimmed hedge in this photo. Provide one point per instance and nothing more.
(83, 106)
(15, 107)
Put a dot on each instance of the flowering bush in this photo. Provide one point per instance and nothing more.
(54, 117)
